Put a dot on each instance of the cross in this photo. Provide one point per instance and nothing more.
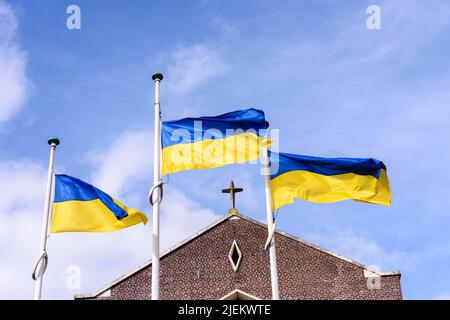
(232, 191)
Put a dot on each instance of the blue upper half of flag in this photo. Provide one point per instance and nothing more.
(189, 130)
(68, 188)
(326, 166)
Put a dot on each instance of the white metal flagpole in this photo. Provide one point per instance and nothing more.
(270, 227)
(156, 192)
(41, 264)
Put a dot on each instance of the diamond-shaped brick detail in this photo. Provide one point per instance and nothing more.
(235, 256)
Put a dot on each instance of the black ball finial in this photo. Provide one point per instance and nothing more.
(157, 76)
(53, 140)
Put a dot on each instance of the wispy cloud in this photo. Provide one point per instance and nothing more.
(190, 66)
(14, 83)
(127, 161)
(351, 245)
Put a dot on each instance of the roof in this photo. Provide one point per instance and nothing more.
(367, 269)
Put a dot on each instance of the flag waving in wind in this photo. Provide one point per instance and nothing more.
(209, 142)
(328, 180)
(81, 207)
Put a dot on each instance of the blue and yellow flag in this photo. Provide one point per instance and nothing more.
(328, 179)
(81, 207)
(209, 142)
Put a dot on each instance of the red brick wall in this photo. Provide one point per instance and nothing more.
(304, 272)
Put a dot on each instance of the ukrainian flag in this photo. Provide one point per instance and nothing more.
(328, 179)
(81, 207)
(209, 142)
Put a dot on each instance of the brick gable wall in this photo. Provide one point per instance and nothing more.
(200, 269)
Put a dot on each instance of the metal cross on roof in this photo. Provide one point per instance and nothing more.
(232, 191)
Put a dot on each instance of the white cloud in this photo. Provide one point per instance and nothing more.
(350, 245)
(191, 66)
(127, 161)
(13, 80)
(181, 216)
(22, 186)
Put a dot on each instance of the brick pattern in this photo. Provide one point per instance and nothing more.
(200, 269)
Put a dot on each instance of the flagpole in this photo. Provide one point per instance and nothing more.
(270, 228)
(41, 264)
(156, 190)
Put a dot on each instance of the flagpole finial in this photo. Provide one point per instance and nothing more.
(157, 76)
(53, 140)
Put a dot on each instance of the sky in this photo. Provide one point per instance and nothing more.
(332, 86)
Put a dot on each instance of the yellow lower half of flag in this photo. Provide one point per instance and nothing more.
(212, 153)
(91, 216)
(320, 188)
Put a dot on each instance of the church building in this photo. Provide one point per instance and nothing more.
(227, 260)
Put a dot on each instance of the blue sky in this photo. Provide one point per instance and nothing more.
(332, 86)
